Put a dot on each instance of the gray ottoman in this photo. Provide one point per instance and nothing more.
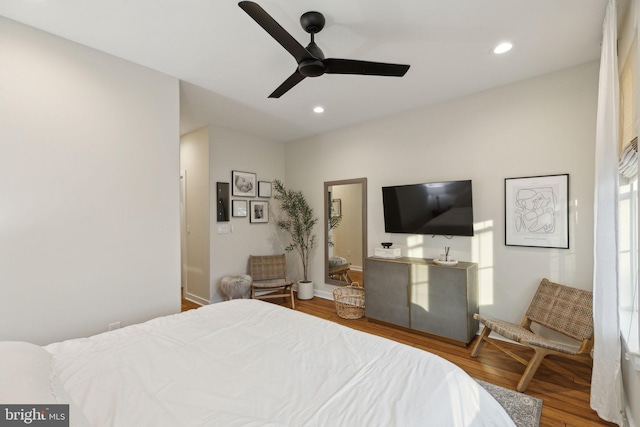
(237, 286)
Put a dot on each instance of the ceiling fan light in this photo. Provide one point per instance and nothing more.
(502, 48)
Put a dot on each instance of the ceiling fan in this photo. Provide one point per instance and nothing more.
(311, 60)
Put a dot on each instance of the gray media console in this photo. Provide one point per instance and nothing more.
(419, 295)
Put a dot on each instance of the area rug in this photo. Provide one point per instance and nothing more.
(524, 410)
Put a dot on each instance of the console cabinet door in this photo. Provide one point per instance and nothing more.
(439, 303)
(387, 291)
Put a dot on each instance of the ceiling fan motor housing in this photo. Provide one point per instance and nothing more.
(311, 68)
(312, 22)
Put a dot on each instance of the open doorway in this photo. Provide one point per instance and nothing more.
(195, 216)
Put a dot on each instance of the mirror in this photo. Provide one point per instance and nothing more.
(345, 230)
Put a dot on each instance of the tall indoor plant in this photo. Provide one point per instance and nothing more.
(298, 220)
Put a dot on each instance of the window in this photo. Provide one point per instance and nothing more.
(629, 218)
(628, 267)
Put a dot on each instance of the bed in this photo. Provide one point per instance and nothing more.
(247, 363)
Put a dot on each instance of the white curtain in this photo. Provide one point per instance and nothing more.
(606, 381)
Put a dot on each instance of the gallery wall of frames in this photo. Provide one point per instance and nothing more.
(244, 196)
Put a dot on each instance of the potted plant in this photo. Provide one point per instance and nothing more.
(298, 220)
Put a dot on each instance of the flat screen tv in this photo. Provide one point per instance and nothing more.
(442, 208)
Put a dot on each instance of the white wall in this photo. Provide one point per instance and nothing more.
(536, 127)
(194, 161)
(89, 189)
(231, 150)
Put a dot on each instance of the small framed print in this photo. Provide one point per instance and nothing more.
(239, 208)
(243, 184)
(336, 208)
(258, 211)
(264, 189)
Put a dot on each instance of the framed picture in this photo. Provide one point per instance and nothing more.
(336, 207)
(264, 189)
(536, 211)
(258, 211)
(243, 184)
(239, 208)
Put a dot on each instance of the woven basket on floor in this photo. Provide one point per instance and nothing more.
(349, 301)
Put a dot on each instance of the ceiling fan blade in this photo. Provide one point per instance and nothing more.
(352, 66)
(275, 30)
(293, 80)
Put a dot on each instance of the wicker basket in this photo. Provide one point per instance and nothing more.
(349, 301)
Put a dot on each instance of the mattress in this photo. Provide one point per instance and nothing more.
(252, 363)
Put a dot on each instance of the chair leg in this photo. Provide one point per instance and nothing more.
(532, 367)
(480, 340)
(293, 298)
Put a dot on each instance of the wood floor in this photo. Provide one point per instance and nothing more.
(566, 400)
(188, 305)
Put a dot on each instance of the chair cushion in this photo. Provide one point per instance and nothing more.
(268, 267)
(337, 261)
(522, 335)
(564, 309)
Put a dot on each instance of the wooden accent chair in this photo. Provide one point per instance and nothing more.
(269, 274)
(341, 273)
(563, 309)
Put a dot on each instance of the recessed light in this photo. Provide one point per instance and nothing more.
(502, 48)
(318, 109)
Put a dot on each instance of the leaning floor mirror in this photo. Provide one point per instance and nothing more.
(345, 230)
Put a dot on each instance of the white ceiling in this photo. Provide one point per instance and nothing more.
(229, 65)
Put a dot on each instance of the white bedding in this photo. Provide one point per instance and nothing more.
(252, 363)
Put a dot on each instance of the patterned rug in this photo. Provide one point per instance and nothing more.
(524, 410)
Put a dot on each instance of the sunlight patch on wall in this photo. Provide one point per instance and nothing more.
(482, 253)
(414, 246)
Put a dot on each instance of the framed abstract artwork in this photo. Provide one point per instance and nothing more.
(536, 211)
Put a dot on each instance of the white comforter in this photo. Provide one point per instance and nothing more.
(252, 363)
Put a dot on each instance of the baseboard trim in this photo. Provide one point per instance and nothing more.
(195, 299)
(323, 294)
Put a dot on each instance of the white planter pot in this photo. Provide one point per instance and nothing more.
(305, 289)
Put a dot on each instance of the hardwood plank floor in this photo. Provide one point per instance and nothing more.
(566, 400)
(186, 304)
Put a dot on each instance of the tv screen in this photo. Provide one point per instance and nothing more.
(442, 208)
